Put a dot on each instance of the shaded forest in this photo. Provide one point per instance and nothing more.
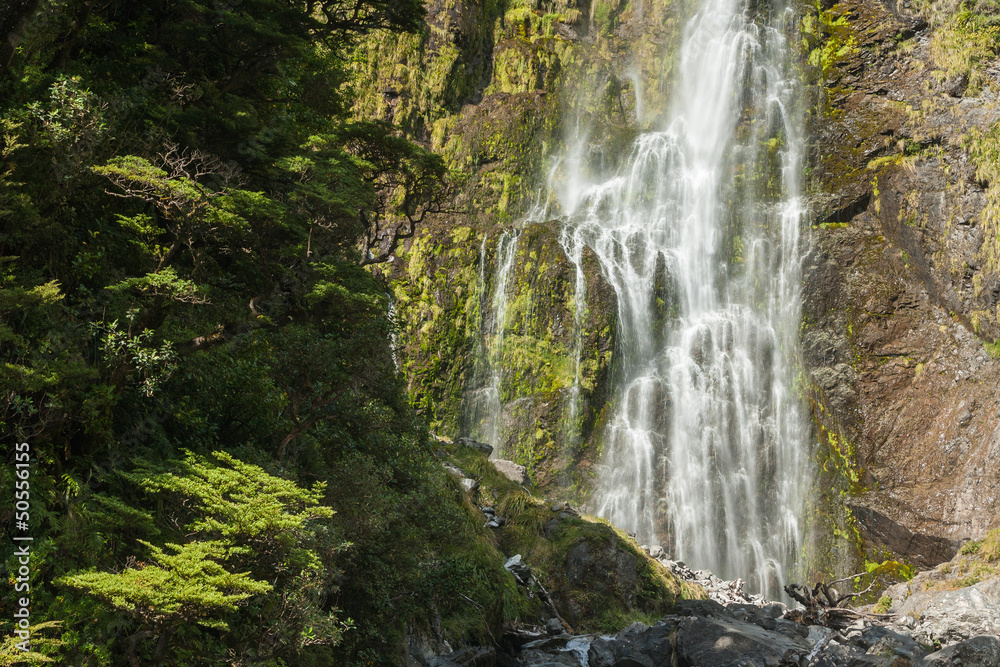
(225, 466)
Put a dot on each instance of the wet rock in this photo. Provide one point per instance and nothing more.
(475, 444)
(561, 651)
(976, 652)
(602, 653)
(512, 471)
(554, 627)
(651, 647)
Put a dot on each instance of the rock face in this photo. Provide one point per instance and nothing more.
(948, 616)
(923, 550)
(901, 284)
(955, 601)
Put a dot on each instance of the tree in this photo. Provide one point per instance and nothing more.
(181, 189)
(188, 586)
(254, 543)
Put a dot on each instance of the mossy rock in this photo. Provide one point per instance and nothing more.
(598, 577)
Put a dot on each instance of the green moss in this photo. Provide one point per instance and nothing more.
(438, 311)
(840, 459)
(829, 38)
(642, 589)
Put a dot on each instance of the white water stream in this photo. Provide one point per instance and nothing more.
(697, 231)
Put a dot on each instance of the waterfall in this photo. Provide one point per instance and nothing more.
(698, 234)
(696, 230)
(483, 405)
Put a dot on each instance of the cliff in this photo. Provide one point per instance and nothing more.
(901, 282)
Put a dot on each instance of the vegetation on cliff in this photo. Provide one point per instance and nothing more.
(225, 465)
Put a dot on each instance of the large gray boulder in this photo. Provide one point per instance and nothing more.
(725, 642)
(512, 471)
(948, 616)
(975, 652)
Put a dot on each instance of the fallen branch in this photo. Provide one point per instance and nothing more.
(552, 606)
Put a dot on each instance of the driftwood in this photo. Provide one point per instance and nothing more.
(823, 603)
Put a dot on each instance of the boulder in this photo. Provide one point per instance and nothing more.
(561, 651)
(522, 573)
(602, 653)
(976, 652)
(726, 642)
(475, 444)
(945, 616)
(512, 471)
(649, 648)
(884, 641)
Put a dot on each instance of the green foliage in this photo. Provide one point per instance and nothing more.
(883, 605)
(965, 44)
(134, 357)
(188, 586)
(828, 37)
(250, 535)
(11, 655)
(253, 513)
(984, 149)
(185, 204)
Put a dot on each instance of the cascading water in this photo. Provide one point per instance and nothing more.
(698, 234)
(483, 406)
